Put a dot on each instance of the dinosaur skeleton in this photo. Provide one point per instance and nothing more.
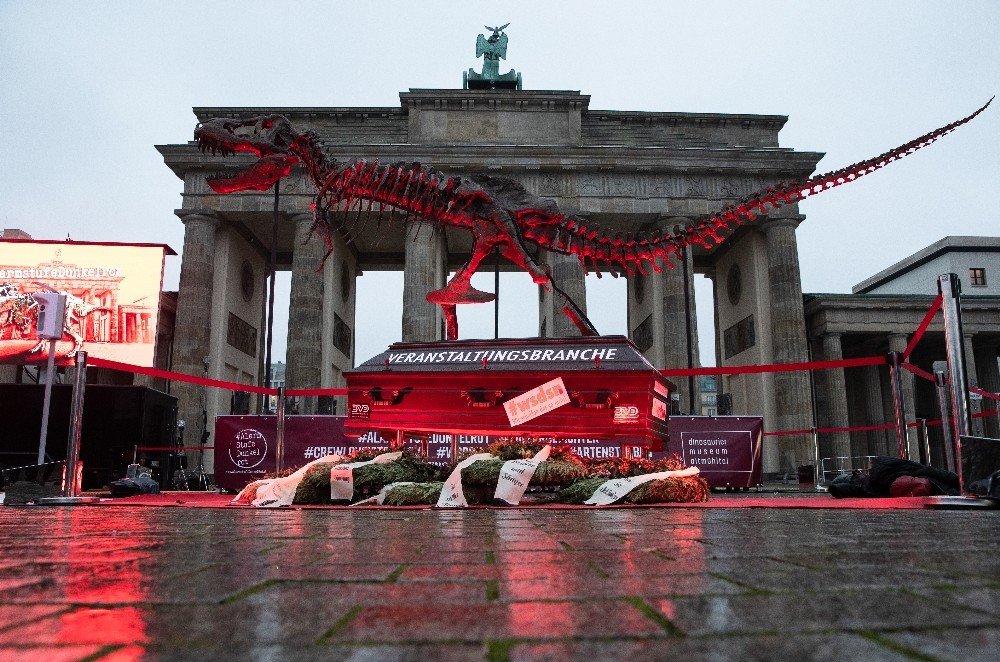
(498, 212)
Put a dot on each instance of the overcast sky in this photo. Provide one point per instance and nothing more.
(88, 88)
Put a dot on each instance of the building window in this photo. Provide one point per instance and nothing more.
(977, 277)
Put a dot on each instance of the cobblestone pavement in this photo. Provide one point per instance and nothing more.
(179, 583)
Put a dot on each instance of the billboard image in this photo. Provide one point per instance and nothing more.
(112, 299)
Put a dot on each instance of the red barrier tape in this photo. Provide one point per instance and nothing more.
(919, 372)
(782, 433)
(859, 428)
(984, 414)
(175, 448)
(205, 381)
(985, 394)
(775, 367)
(926, 322)
(166, 374)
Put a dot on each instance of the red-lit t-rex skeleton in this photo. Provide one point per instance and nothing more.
(498, 212)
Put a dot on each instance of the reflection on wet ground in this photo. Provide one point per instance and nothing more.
(124, 582)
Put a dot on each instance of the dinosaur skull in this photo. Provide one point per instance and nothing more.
(269, 137)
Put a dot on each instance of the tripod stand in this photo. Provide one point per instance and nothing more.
(199, 478)
(178, 479)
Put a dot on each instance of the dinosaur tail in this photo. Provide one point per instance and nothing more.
(635, 252)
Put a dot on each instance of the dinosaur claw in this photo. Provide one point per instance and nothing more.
(450, 297)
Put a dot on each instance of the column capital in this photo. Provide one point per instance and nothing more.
(832, 347)
(898, 342)
(772, 224)
(300, 217)
(199, 215)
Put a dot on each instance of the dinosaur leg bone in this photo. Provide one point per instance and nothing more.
(450, 320)
(459, 289)
(485, 235)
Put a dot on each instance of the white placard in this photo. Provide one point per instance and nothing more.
(452, 495)
(277, 492)
(515, 476)
(342, 476)
(536, 402)
(615, 489)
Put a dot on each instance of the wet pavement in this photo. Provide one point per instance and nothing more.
(117, 583)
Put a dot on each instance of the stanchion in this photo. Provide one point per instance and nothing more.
(47, 399)
(279, 437)
(74, 470)
(950, 289)
(897, 403)
(942, 395)
(925, 441)
(818, 478)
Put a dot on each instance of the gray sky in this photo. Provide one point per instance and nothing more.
(87, 89)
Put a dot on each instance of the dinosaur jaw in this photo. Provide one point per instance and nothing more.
(258, 177)
(268, 138)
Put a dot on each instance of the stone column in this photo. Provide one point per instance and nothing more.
(875, 410)
(568, 275)
(971, 372)
(713, 275)
(839, 443)
(304, 360)
(192, 328)
(897, 343)
(340, 275)
(675, 319)
(421, 275)
(989, 380)
(792, 390)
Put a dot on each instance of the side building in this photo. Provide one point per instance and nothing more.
(879, 317)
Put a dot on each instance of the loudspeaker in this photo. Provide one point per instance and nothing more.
(51, 314)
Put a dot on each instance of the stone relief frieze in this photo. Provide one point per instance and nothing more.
(590, 185)
(530, 182)
(695, 187)
(550, 184)
(623, 185)
(661, 187)
(730, 188)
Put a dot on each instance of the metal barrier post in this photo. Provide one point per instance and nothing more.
(818, 477)
(925, 441)
(942, 393)
(897, 403)
(47, 400)
(71, 486)
(950, 289)
(279, 437)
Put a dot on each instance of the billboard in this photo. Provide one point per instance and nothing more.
(112, 299)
